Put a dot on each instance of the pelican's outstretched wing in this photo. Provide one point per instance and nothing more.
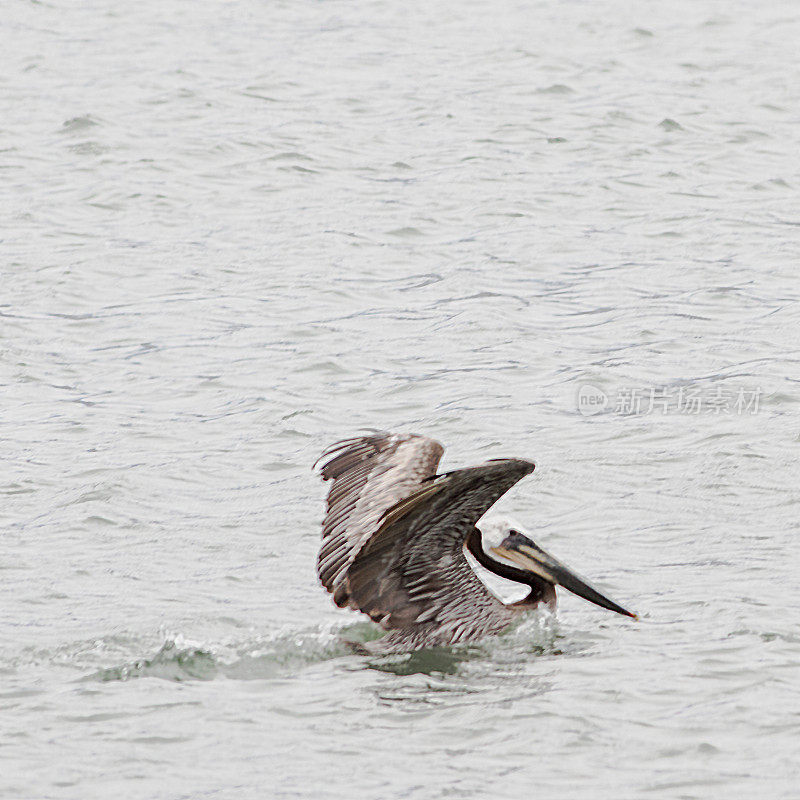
(412, 575)
(370, 474)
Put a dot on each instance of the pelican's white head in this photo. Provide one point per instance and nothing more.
(495, 529)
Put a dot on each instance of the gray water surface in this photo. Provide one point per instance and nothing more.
(234, 232)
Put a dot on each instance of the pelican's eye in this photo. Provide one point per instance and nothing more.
(515, 538)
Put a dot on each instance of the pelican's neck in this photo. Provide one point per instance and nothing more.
(540, 589)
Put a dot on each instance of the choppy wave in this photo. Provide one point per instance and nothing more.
(240, 233)
(285, 652)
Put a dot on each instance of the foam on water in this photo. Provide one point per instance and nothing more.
(286, 652)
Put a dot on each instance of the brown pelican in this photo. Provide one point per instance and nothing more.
(394, 540)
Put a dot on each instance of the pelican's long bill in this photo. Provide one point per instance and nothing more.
(531, 557)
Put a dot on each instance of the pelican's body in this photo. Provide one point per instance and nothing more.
(394, 539)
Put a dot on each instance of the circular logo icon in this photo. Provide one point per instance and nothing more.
(591, 400)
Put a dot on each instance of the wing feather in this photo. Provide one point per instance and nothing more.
(412, 575)
(370, 474)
